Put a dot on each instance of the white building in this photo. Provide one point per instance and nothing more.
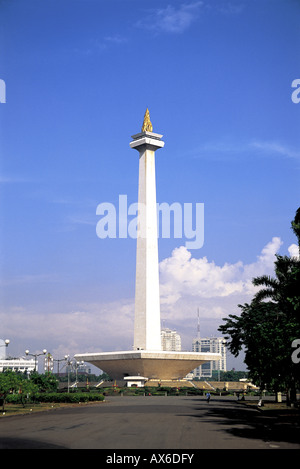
(210, 344)
(14, 364)
(17, 364)
(170, 340)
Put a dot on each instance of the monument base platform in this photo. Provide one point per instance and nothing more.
(152, 364)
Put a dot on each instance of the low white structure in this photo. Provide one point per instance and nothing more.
(153, 365)
(136, 381)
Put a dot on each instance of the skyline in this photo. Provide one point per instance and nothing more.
(217, 79)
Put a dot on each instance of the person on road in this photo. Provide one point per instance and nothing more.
(208, 397)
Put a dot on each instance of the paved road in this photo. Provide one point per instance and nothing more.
(167, 422)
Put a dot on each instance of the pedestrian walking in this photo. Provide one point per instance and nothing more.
(208, 397)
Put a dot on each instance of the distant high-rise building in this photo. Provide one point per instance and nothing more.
(210, 344)
(170, 340)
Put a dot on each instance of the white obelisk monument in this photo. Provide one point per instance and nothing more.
(147, 299)
(147, 360)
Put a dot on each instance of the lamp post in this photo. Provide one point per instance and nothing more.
(69, 363)
(35, 355)
(58, 360)
(72, 365)
(6, 342)
(77, 365)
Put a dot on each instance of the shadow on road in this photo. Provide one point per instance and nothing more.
(247, 422)
(21, 443)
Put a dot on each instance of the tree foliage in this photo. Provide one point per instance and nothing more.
(267, 326)
(24, 385)
(45, 382)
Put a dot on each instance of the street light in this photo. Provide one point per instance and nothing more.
(69, 363)
(58, 360)
(35, 355)
(72, 365)
(77, 365)
(6, 342)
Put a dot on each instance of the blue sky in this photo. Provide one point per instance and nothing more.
(216, 77)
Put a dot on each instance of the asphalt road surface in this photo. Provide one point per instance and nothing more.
(150, 422)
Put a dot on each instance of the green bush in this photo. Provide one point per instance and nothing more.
(56, 397)
(68, 397)
(14, 398)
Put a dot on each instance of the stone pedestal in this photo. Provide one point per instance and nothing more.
(153, 365)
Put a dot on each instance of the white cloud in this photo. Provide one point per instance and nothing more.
(251, 149)
(96, 45)
(177, 19)
(171, 19)
(276, 148)
(182, 275)
(115, 39)
(29, 279)
(4, 179)
(90, 327)
(294, 251)
(187, 284)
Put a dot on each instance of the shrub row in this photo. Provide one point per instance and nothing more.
(57, 397)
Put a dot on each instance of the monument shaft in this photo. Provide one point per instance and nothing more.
(147, 300)
(147, 303)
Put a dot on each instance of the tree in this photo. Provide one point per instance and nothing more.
(15, 383)
(8, 383)
(26, 388)
(263, 332)
(268, 325)
(44, 382)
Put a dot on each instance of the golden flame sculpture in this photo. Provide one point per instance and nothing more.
(147, 126)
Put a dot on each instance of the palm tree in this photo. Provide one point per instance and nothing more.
(284, 288)
(284, 293)
(296, 226)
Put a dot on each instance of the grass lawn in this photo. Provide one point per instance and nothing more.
(18, 409)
